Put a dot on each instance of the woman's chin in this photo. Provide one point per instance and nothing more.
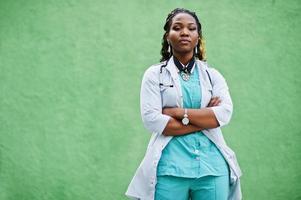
(184, 51)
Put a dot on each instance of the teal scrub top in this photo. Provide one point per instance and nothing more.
(192, 155)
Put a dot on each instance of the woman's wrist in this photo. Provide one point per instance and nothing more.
(180, 113)
(177, 113)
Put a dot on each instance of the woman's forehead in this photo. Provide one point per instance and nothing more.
(183, 18)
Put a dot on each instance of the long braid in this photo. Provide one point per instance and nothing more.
(201, 43)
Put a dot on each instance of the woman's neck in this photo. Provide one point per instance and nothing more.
(183, 58)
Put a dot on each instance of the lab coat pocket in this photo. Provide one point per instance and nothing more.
(168, 96)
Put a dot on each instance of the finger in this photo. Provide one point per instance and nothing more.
(217, 102)
(212, 101)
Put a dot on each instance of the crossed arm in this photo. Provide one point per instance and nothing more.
(199, 119)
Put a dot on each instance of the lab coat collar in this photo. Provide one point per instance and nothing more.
(172, 68)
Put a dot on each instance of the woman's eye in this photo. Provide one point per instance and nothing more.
(176, 28)
(192, 29)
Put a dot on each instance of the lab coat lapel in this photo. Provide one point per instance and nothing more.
(171, 67)
(205, 83)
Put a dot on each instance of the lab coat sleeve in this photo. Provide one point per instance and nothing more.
(151, 103)
(223, 112)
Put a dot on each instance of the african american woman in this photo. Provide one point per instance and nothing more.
(184, 103)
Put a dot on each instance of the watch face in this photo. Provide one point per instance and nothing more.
(185, 121)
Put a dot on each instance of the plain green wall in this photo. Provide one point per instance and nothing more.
(70, 73)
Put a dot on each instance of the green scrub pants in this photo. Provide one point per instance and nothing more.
(204, 188)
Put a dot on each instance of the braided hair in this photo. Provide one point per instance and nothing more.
(201, 43)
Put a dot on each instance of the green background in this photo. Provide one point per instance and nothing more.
(70, 74)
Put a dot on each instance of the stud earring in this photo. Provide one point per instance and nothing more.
(169, 50)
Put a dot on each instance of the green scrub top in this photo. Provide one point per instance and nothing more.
(192, 155)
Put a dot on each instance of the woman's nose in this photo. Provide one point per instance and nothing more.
(184, 32)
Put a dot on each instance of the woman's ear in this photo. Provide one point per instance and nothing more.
(167, 37)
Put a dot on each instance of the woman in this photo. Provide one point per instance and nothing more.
(184, 103)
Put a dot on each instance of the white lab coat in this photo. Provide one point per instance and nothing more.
(153, 98)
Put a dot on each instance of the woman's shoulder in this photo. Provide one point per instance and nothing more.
(156, 66)
(203, 64)
(206, 66)
(153, 69)
(211, 71)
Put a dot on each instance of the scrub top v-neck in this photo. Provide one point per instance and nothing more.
(192, 155)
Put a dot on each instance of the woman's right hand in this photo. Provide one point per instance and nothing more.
(214, 101)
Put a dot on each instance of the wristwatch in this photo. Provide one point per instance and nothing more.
(185, 120)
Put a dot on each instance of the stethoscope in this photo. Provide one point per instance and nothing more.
(161, 84)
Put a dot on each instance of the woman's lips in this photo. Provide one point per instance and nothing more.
(184, 41)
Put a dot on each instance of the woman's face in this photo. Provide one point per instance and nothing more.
(183, 35)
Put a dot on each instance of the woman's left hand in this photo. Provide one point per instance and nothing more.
(214, 101)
